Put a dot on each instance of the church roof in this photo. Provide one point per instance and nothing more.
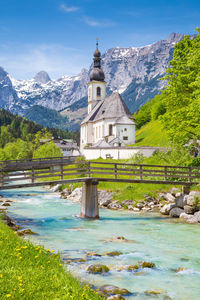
(112, 107)
(101, 144)
(124, 120)
(90, 117)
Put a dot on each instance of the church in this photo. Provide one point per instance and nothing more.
(109, 122)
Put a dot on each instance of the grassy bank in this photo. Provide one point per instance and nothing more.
(31, 272)
(152, 135)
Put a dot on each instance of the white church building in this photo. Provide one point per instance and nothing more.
(109, 122)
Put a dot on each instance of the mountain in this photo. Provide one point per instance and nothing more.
(42, 77)
(133, 71)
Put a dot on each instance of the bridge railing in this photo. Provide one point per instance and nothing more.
(5, 162)
(104, 171)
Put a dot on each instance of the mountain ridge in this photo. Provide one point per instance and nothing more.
(132, 71)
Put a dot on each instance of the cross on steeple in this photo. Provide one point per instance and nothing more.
(97, 43)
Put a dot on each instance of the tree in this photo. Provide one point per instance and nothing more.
(47, 150)
(181, 96)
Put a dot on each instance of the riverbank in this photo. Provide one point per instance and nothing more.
(132, 237)
(29, 271)
(177, 203)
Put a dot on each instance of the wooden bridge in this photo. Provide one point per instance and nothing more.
(39, 172)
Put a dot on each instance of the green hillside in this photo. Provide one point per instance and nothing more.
(152, 134)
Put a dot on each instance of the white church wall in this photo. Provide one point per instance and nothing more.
(118, 152)
(126, 133)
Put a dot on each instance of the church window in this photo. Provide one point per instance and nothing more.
(98, 91)
(125, 138)
(110, 129)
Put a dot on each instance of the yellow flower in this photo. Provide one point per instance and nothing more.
(1, 275)
(20, 257)
(54, 276)
(19, 278)
(52, 250)
(36, 256)
(60, 265)
(8, 295)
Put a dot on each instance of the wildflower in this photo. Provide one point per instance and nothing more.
(1, 275)
(8, 295)
(20, 278)
(54, 276)
(36, 256)
(52, 250)
(20, 257)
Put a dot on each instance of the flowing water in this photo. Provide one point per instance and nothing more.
(167, 243)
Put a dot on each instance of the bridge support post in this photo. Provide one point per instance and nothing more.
(89, 203)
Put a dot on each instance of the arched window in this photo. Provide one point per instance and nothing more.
(98, 91)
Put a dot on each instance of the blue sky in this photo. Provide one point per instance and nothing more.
(59, 36)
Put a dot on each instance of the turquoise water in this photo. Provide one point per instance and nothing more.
(168, 243)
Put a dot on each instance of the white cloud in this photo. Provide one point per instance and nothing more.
(97, 23)
(24, 61)
(68, 9)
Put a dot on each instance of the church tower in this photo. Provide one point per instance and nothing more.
(97, 85)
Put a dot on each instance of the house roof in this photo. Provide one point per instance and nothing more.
(112, 107)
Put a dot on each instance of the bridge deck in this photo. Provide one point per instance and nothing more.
(55, 171)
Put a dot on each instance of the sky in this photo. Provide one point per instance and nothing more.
(59, 36)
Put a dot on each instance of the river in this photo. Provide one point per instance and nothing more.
(168, 243)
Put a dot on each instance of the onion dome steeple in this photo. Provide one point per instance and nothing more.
(97, 73)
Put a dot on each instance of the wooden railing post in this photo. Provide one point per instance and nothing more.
(190, 174)
(61, 172)
(89, 169)
(165, 173)
(115, 171)
(32, 176)
(141, 173)
(2, 177)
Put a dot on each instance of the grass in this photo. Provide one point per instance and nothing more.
(152, 134)
(31, 272)
(126, 191)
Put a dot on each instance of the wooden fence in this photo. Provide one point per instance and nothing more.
(100, 171)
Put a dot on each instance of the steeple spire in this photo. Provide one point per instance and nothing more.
(97, 73)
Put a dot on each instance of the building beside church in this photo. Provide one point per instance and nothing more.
(109, 122)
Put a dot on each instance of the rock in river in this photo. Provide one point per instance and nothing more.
(113, 290)
(176, 212)
(113, 253)
(95, 269)
(116, 297)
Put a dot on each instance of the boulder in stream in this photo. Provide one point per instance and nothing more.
(98, 268)
(113, 290)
